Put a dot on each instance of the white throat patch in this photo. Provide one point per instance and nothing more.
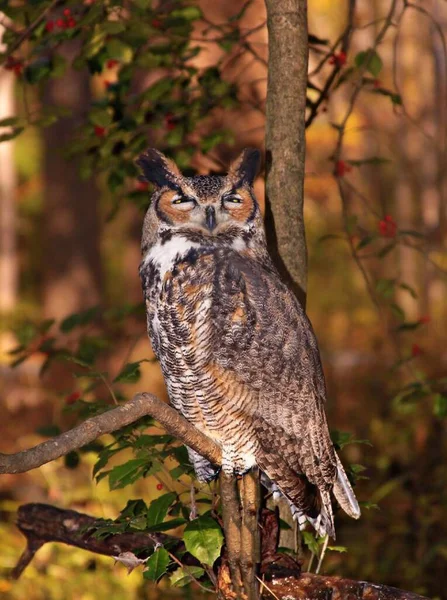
(164, 256)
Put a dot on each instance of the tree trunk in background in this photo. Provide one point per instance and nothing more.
(8, 249)
(285, 139)
(72, 265)
(285, 145)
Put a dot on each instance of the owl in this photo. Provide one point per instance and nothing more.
(237, 351)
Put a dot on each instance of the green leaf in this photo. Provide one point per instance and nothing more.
(183, 576)
(11, 135)
(371, 59)
(385, 287)
(409, 326)
(159, 507)
(372, 160)
(130, 373)
(409, 289)
(189, 13)
(166, 525)
(112, 27)
(310, 542)
(398, 311)
(127, 473)
(77, 319)
(203, 539)
(38, 70)
(9, 121)
(157, 565)
(119, 50)
(440, 406)
(337, 548)
(100, 117)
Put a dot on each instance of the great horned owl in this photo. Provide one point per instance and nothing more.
(237, 351)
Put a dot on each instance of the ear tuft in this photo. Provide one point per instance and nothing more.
(158, 169)
(245, 168)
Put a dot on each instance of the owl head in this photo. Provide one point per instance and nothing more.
(212, 208)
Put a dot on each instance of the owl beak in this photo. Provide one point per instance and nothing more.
(210, 218)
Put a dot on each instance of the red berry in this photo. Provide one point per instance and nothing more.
(416, 350)
(112, 63)
(71, 23)
(341, 168)
(71, 399)
(100, 131)
(377, 83)
(60, 23)
(142, 186)
(156, 23)
(338, 59)
(67, 12)
(387, 227)
(159, 486)
(49, 26)
(169, 121)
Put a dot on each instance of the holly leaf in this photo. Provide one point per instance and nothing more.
(371, 59)
(157, 565)
(203, 539)
(183, 576)
(130, 373)
(158, 509)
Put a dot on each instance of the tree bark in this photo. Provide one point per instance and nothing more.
(71, 225)
(285, 139)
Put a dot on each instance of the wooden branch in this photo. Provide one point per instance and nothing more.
(231, 517)
(140, 406)
(250, 499)
(285, 140)
(42, 523)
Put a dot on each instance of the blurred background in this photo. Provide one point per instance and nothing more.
(71, 210)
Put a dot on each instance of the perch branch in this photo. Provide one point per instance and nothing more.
(250, 499)
(232, 526)
(140, 406)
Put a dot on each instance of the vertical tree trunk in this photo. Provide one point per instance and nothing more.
(285, 139)
(8, 250)
(72, 266)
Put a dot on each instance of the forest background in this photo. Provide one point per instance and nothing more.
(71, 213)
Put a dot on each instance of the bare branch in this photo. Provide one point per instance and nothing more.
(140, 406)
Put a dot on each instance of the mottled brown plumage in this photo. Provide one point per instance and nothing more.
(237, 351)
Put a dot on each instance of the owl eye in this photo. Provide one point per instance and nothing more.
(233, 199)
(187, 201)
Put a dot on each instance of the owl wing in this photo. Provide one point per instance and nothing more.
(265, 339)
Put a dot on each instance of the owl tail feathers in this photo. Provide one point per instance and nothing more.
(344, 493)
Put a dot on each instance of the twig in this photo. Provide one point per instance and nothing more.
(29, 30)
(140, 406)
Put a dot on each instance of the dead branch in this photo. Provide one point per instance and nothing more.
(140, 406)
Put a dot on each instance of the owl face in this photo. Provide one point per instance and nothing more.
(208, 206)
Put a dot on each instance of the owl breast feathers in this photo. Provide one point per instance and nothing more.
(237, 351)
